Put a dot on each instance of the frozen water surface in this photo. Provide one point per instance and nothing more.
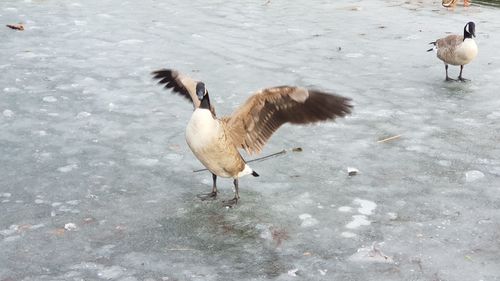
(97, 182)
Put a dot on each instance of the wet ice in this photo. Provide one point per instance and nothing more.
(95, 172)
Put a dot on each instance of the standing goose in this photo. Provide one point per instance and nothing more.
(457, 49)
(215, 141)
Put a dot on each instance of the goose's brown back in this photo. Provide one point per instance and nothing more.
(447, 46)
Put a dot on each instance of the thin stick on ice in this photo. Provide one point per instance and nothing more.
(389, 138)
(276, 154)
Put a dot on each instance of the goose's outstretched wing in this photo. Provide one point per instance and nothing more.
(180, 84)
(253, 123)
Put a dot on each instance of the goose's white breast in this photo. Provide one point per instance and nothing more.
(466, 52)
(201, 130)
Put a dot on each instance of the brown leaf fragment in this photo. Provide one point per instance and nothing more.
(59, 232)
(19, 26)
(24, 227)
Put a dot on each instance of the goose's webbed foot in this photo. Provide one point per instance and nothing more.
(207, 196)
(234, 201)
(211, 195)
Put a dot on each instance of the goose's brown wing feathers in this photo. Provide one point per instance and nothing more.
(180, 84)
(449, 41)
(252, 124)
(446, 47)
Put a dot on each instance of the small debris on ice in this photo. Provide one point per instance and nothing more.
(70, 226)
(389, 139)
(351, 171)
(473, 175)
(371, 254)
(19, 26)
(293, 272)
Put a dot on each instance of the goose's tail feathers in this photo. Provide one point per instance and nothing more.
(433, 48)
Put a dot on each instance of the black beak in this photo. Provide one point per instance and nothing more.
(200, 90)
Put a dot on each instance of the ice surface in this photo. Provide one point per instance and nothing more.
(473, 175)
(348, 234)
(357, 221)
(366, 207)
(87, 138)
(370, 254)
(307, 220)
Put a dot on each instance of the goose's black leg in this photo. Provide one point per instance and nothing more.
(234, 201)
(448, 77)
(213, 194)
(460, 75)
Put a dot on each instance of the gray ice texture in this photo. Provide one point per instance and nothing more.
(97, 183)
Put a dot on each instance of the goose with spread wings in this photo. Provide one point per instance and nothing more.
(215, 141)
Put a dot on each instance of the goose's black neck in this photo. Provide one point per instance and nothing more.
(469, 30)
(205, 102)
(466, 34)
